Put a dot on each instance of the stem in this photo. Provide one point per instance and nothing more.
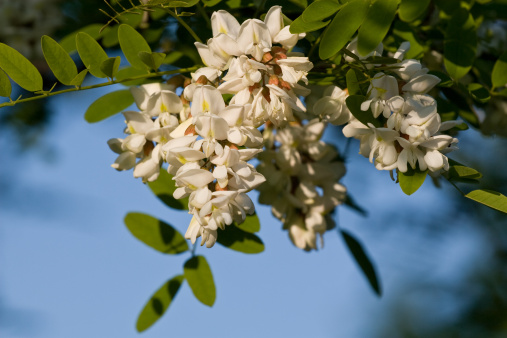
(204, 14)
(184, 24)
(193, 249)
(455, 186)
(139, 77)
(310, 53)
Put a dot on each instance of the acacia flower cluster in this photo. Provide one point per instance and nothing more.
(302, 174)
(409, 132)
(206, 142)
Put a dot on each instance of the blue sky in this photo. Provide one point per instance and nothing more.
(70, 268)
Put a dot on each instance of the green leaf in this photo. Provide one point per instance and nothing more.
(129, 72)
(163, 187)
(365, 117)
(200, 279)
(478, 92)
(110, 38)
(152, 60)
(155, 233)
(411, 10)
(499, 74)
(19, 69)
(362, 260)
(238, 240)
(445, 80)
(320, 10)
(357, 83)
(251, 224)
(158, 303)
(91, 53)
(351, 203)
(211, 3)
(412, 180)
(131, 43)
(174, 3)
(461, 173)
(343, 26)
(59, 61)
(78, 80)
(460, 44)
(300, 26)
(108, 105)
(376, 25)
(69, 41)
(490, 198)
(405, 32)
(5, 85)
(110, 66)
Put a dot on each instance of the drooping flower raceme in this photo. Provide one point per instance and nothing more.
(207, 143)
(409, 133)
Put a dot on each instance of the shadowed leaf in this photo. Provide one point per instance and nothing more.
(362, 260)
(200, 279)
(155, 233)
(163, 187)
(158, 303)
(238, 240)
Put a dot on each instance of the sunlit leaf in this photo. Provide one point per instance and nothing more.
(320, 10)
(110, 66)
(155, 233)
(91, 54)
(163, 187)
(376, 25)
(131, 43)
(200, 279)
(152, 60)
(354, 104)
(343, 26)
(490, 198)
(499, 74)
(238, 240)
(58, 60)
(69, 41)
(79, 78)
(251, 224)
(461, 173)
(410, 10)
(5, 85)
(301, 26)
(362, 260)
(158, 303)
(19, 69)
(412, 180)
(108, 105)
